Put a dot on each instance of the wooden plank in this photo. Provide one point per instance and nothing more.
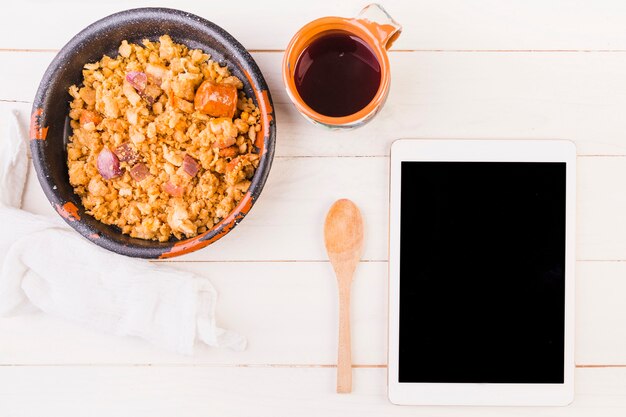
(600, 314)
(572, 96)
(443, 24)
(267, 25)
(286, 222)
(288, 311)
(194, 391)
(601, 205)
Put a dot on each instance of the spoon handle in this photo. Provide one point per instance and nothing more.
(344, 360)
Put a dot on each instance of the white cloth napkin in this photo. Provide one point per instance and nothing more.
(46, 264)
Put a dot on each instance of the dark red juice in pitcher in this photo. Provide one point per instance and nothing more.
(337, 74)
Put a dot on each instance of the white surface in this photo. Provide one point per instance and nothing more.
(166, 391)
(483, 69)
(480, 151)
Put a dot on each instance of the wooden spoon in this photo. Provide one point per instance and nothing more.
(343, 236)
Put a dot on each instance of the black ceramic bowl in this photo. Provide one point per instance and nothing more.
(50, 129)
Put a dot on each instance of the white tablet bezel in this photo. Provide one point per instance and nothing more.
(486, 151)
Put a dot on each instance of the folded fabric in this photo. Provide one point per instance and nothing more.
(45, 264)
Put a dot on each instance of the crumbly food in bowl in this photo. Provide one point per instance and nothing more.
(162, 140)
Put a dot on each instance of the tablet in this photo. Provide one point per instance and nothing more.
(481, 272)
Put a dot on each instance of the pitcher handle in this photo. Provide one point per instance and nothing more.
(382, 26)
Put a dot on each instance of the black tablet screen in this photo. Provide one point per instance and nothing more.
(482, 272)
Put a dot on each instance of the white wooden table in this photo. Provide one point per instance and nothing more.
(468, 69)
